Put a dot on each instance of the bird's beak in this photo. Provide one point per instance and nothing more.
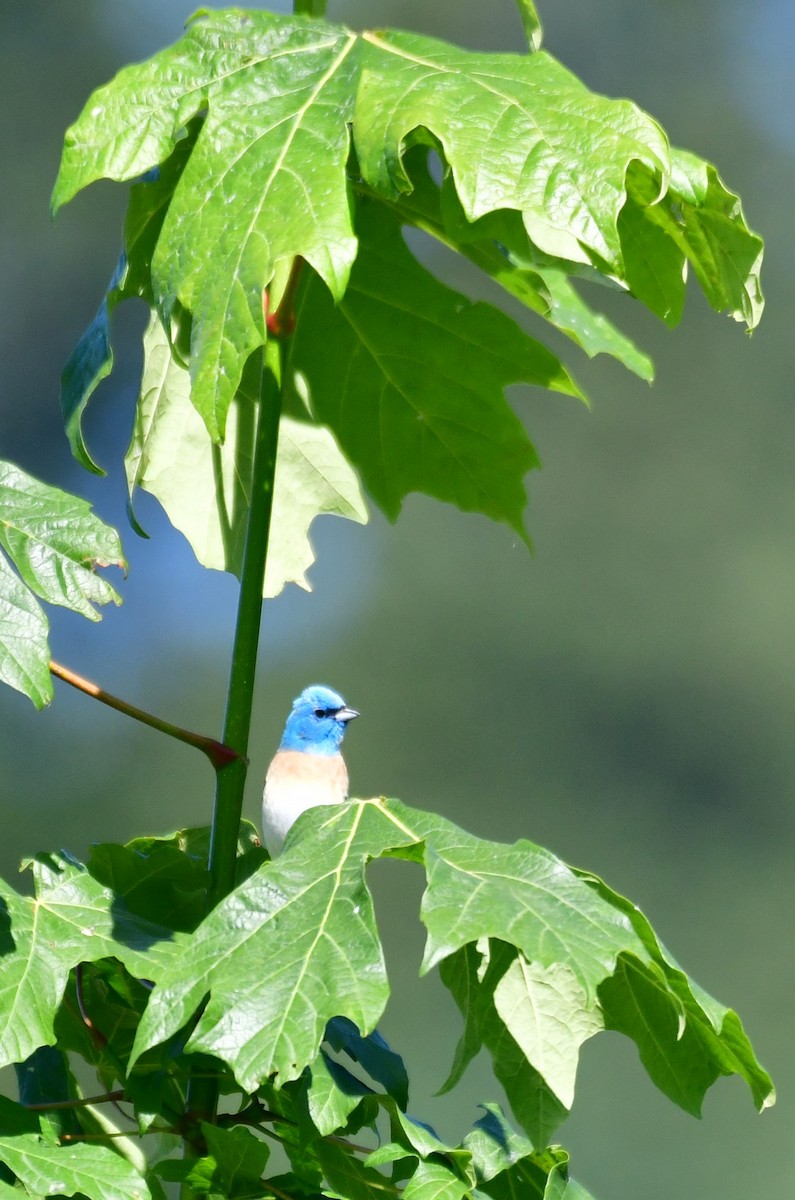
(345, 714)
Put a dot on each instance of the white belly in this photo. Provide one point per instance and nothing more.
(295, 782)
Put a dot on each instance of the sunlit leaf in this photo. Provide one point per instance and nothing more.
(57, 545)
(73, 919)
(497, 916)
(46, 1168)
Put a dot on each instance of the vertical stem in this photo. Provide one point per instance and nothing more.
(310, 8)
(231, 780)
(202, 1100)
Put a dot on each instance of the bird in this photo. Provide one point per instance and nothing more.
(307, 769)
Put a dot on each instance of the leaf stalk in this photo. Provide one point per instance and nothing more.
(219, 754)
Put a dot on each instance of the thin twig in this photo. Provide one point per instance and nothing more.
(218, 754)
(117, 1133)
(79, 1102)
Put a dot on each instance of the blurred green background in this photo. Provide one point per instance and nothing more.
(625, 697)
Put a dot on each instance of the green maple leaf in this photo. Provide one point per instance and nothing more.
(57, 545)
(563, 944)
(410, 375)
(279, 138)
(73, 919)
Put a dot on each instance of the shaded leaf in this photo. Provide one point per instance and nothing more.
(347, 1178)
(46, 1076)
(91, 361)
(240, 1159)
(206, 489)
(498, 244)
(655, 266)
(167, 877)
(382, 1063)
(410, 376)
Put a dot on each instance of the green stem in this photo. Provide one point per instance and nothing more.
(203, 1089)
(310, 8)
(240, 695)
(78, 1102)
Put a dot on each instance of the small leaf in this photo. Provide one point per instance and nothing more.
(435, 1181)
(700, 220)
(725, 255)
(494, 1146)
(546, 1011)
(206, 489)
(472, 975)
(333, 1094)
(57, 543)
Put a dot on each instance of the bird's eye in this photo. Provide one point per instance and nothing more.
(321, 712)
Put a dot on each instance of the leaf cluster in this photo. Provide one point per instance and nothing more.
(260, 142)
(278, 991)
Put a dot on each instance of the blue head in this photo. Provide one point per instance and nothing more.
(317, 723)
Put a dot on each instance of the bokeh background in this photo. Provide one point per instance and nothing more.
(626, 696)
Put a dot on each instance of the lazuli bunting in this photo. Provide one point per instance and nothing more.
(307, 769)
